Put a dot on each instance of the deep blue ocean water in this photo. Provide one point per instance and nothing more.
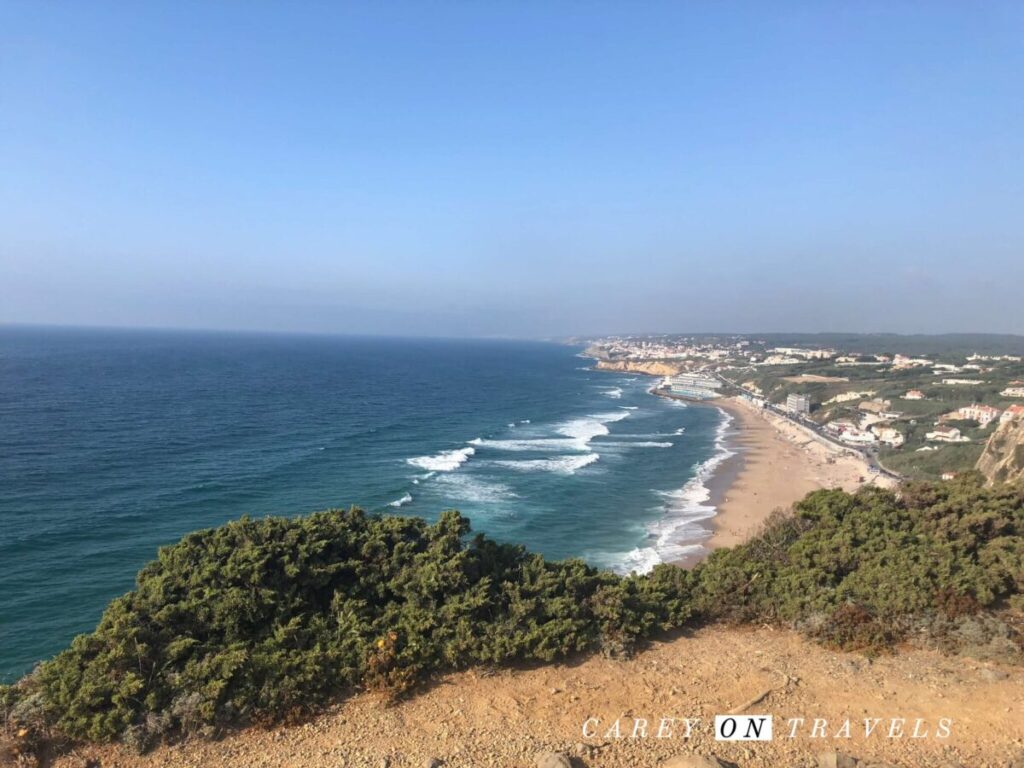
(113, 444)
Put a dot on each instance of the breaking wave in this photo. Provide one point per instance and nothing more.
(679, 532)
(445, 461)
(638, 443)
(586, 429)
(563, 465)
(529, 444)
(473, 489)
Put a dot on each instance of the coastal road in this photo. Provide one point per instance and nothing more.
(869, 456)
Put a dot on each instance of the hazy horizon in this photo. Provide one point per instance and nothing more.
(524, 171)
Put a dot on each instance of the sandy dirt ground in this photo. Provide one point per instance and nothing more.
(506, 718)
(780, 463)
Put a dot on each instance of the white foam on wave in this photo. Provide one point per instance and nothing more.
(401, 502)
(678, 533)
(638, 443)
(425, 476)
(610, 416)
(445, 461)
(678, 403)
(529, 444)
(471, 488)
(615, 393)
(562, 465)
(587, 428)
(629, 407)
(679, 431)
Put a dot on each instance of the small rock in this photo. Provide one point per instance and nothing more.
(552, 760)
(836, 760)
(692, 761)
(581, 749)
(990, 675)
(433, 762)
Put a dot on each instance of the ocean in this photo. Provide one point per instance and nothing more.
(114, 443)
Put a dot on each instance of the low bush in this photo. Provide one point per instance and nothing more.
(263, 620)
(856, 569)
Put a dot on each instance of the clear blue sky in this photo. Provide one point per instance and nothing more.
(513, 168)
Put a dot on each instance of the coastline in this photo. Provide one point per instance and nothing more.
(777, 464)
(769, 464)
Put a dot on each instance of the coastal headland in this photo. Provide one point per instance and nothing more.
(652, 368)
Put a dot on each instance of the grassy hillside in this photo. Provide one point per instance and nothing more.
(263, 620)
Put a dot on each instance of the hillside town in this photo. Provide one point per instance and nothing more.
(919, 412)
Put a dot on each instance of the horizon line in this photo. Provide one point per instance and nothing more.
(4, 324)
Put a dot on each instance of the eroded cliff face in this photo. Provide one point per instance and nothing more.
(1003, 457)
(651, 367)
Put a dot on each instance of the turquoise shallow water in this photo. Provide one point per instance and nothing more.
(115, 443)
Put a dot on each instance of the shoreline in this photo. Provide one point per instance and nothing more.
(780, 463)
(772, 464)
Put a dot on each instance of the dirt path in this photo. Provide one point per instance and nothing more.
(473, 719)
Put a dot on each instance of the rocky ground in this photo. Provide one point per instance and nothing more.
(535, 717)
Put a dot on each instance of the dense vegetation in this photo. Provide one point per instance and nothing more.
(874, 568)
(262, 620)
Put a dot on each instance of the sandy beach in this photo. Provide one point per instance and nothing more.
(776, 464)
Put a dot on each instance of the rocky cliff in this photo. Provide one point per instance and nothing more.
(649, 367)
(1003, 457)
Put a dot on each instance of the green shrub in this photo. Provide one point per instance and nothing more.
(867, 562)
(263, 620)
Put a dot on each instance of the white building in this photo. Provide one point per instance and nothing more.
(902, 361)
(857, 437)
(1013, 392)
(781, 360)
(798, 404)
(914, 394)
(983, 414)
(888, 435)
(946, 435)
(807, 354)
